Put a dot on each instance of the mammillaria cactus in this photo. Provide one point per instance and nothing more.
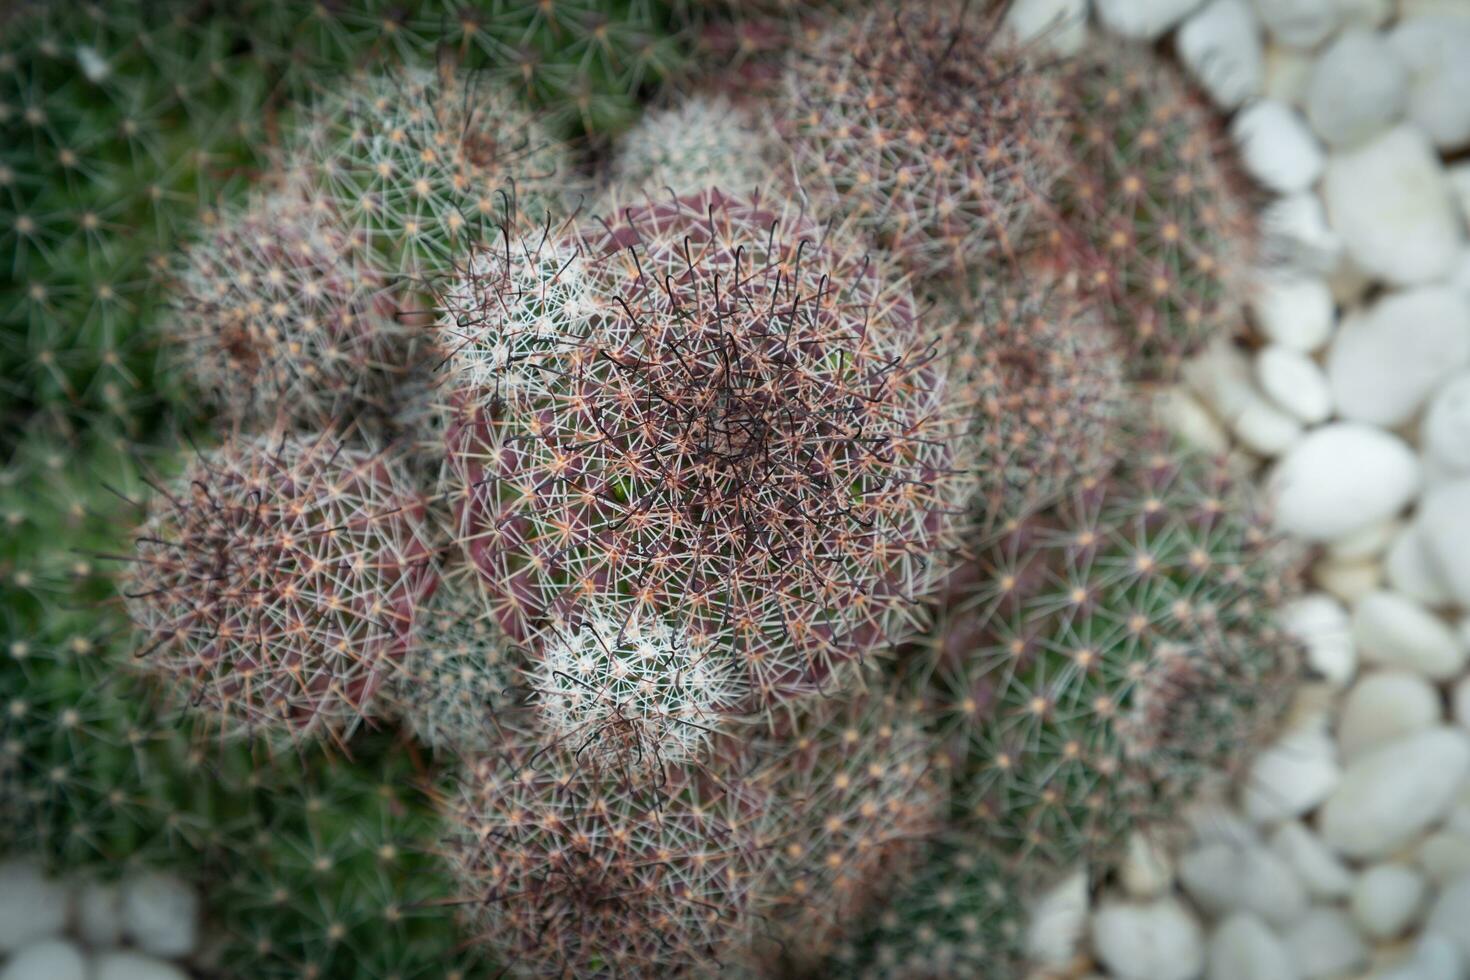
(706, 141)
(742, 427)
(920, 123)
(278, 581)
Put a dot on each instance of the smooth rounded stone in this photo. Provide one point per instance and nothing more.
(1295, 229)
(1365, 817)
(161, 914)
(1391, 203)
(1276, 146)
(1444, 856)
(1322, 872)
(1221, 375)
(1289, 778)
(49, 959)
(32, 906)
(1410, 571)
(1182, 414)
(1393, 630)
(1323, 626)
(1293, 311)
(1142, 20)
(1287, 73)
(1348, 580)
(1299, 23)
(1432, 8)
(1310, 711)
(1341, 478)
(1358, 88)
(1223, 879)
(134, 966)
(1244, 946)
(1385, 899)
(1450, 913)
(1058, 921)
(1058, 26)
(1220, 46)
(1211, 821)
(1293, 380)
(1445, 433)
(1433, 958)
(1265, 429)
(1444, 523)
(1370, 542)
(99, 913)
(1436, 50)
(1383, 706)
(1459, 176)
(1158, 940)
(1387, 360)
(1460, 700)
(1147, 870)
(1323, 943)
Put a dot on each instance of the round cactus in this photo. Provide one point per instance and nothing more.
(568, 867)
(743, 429)
(707, 141)
(918, 122)
(1155, 214)
(1100, 659)
(275, 310)
(277, 582)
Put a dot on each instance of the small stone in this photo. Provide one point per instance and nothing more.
(1342, 478)
(1184, 416)
(1461, 701)
(1445, 433)
(99, 914)
(161, 914)
(1320, 871)
(1294, 381)
(1411, 572)
(1059, 26)
(1220, 46)
(1211, 821)
(1276, 147)
(1296, 312)
(49, 959)
(1434, 958)
(1143, 20)
(1369, 14)
(1299, 23)
(1350, 580)
(1358, 88)
(1221, 375)
(1370, 542)
(1386, 361)
(1322, 625)
(1223, 879)
(1450, 914)
(1444, 520)
(1287, 73)
(1436, 50)
(1243, 946)
(1383, 706)
(1148, 941)
(134, 966)
(1295, 229)
(1391, 203)
(1365, 817)
(1444, 856)
(1147, 870)
(1393, 630)
(1323, 943)
(1290, 778)
(1385, 899)
(1265, 429)
(32, 906)
(1459, 176)
(1058, 921)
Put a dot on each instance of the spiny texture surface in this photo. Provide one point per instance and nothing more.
(1097, 661)
(1156, 217)
(278, 580)
(636, 694)
(276, 311)
(707, 141)
(741, 427)
(567, 866)
(919, 123)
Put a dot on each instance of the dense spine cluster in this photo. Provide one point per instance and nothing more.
(706, 141)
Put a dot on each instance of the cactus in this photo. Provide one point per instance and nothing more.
(1155, 214)
(740, 426)
(918, 122)
(278, 582)
(707, 141)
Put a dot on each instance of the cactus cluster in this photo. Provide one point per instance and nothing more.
(755, 570)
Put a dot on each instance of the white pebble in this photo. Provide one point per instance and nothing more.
(1294, 311)
(1142, 19)
(1450, 915)
(1147, 870)
(1383, 706)
(1210, 820)
(1223, 879)
(1059, 26)
(1299, 23)
(1434, 958)
(1057, 921)
(32, 906)
(1287, 73)
(1391, 203)
(1444, 519)
(1370, 542)
(1385, 899)
(1290, 778)
(1365, 13)
(49, 959)
(1184, 416)
(1393, 630)
(1265, 429)
(1411, 572)
(1276, 147)
(1461, 701)
(1295, 229)
(1366, 818)
(1322, 872)
(1294, 381)
(1221, 47)
(161, 914)
(134, 966)
(1433, 8)
(1322, 625)
(1444, 856)
(99, 913)
(1358, 88)
(1348, 580)
(1221, 375)
(1323, 943)
(1437, 51)
(1342, 478)
(1148, 941)
(1445, 433)
(1387, 360)
(1243, 946)
(1459, 176)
